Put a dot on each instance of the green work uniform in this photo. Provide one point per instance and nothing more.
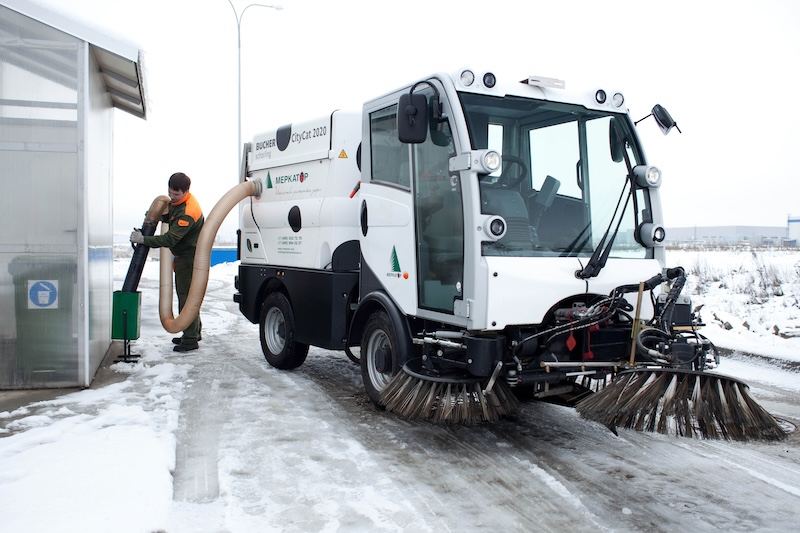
(185, 222)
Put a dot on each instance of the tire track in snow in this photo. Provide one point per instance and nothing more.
(203, 412)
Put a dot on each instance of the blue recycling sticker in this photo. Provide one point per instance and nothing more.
(43, 294)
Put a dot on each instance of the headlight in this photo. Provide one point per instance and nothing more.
(486, 161)
(492, 160)
(600, 96)
(494, 227)
(489, 80)
(467, 77)
(647, 176)
(651, 234)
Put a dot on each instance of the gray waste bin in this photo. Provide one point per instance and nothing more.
(46, 343)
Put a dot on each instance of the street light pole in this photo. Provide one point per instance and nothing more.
(239, 16)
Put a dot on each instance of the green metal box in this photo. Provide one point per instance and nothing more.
(125, 315)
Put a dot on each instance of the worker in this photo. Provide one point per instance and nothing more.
(185, 222)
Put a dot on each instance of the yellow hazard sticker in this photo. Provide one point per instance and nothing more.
(342, 154)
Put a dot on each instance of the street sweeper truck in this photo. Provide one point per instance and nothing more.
(472, 239)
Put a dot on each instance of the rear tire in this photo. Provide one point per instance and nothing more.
(277, 332)
(378, 355)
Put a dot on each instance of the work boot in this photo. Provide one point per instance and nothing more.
(178, 340)
(186, 347)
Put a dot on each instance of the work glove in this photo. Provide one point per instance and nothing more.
(137, 237)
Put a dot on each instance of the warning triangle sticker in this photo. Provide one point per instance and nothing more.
(342, 154)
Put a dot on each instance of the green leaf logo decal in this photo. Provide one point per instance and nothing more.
(395, 261)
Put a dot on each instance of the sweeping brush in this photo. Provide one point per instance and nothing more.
(437, 399)
(681, 402)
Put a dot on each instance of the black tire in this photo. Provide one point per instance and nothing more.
(277, 331)
(378, 355)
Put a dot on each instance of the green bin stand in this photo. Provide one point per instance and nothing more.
(127, 307)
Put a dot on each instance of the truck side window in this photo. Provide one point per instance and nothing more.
(389, 156)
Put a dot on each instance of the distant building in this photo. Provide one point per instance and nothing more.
(794, 229)
(753, 235)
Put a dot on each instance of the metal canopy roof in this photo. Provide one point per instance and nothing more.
(120, 62)
(124, 81)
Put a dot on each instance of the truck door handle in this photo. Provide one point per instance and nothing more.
(364, 223)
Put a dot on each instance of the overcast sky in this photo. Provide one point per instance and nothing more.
(726, 70)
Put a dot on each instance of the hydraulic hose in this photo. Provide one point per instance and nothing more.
(202, 260)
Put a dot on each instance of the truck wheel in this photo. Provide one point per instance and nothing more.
(277, 330)
(378, 355)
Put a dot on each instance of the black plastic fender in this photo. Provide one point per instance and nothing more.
(379, 300)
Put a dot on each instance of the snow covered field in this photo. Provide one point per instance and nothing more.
(751, 300)
(217, 440)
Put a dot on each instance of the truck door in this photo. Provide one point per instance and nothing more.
(440, 221)
(417, 177)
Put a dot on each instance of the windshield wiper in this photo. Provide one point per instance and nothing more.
(578, 243)
(601, 253)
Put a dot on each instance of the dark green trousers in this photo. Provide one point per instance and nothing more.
(183, 280)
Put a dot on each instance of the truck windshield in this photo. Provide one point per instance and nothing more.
(559, 188)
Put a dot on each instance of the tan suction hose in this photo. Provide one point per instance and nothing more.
(158, 208)
(202, 260)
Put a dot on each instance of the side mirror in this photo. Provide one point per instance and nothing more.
(615, 141)
(664, 119)
(412, 118)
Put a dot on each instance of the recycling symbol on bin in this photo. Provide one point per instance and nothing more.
(42, 294)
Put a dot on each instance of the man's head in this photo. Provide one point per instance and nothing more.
(178, 186)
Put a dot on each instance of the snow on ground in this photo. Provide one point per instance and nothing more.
(750, 300)
(105, 459)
